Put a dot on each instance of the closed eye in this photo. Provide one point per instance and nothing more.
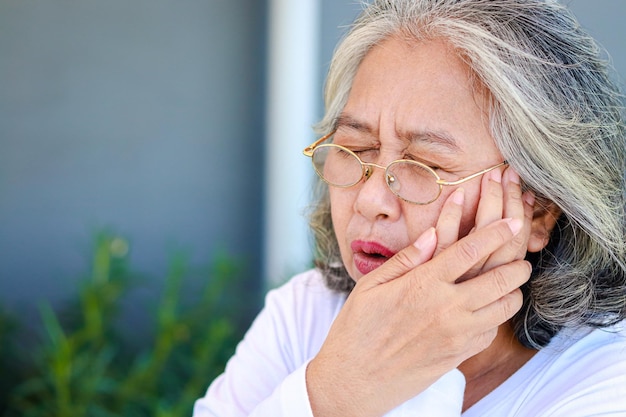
(366, 155)
(429, 164)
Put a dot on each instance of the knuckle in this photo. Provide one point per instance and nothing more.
(456, 345)
(519, 239)
(484, 340)
(468, 251)
(504, 234)
(511, 304)
(404, 260)
(500, 282)
(494, 190)
(520, 271)
(515, 195)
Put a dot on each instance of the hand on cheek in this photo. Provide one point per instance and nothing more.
(408, 322)
(449, 222)
(505, 199)
(501, 197)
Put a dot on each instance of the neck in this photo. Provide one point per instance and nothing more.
(487, 370)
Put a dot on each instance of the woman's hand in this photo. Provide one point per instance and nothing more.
(409, 323)
(501, 197)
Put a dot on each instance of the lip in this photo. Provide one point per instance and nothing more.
(368, 255)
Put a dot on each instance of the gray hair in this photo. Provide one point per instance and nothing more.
(556, 116)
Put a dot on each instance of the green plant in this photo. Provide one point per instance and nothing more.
(85, 367)
(8, 374)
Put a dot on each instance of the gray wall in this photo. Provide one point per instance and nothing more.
(604, 19)
(144, 116)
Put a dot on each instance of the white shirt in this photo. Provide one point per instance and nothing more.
(579, 374)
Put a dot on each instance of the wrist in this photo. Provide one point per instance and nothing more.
(330, 395)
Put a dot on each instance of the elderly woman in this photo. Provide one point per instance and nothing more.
(469, 227)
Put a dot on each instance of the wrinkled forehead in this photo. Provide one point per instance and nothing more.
(418, 92)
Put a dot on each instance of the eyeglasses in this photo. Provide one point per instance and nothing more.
(409, 180)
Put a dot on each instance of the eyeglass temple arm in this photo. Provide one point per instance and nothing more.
(308, 151)
(462, 180)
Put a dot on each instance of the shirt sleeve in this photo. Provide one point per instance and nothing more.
(266, 376)
(442, 399)
(289, 399)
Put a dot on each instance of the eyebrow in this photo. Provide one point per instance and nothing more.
(345, 120)
(436, 138)
(439, 138)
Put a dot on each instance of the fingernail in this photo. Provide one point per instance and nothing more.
(530, 267)
(458, 197)
(515, 225)
(496, 175)
(426, 239)
(513, 176)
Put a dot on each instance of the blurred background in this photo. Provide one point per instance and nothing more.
(167, 127)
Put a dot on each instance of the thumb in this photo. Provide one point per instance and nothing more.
(405, 260)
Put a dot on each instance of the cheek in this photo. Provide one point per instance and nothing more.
(340, 206)
(341, 209)
(419, 218)
(341, 212)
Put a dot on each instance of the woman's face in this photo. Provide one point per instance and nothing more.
(408, 101)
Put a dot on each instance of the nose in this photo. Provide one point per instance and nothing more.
(374, 199)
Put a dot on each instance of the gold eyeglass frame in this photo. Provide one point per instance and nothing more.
(367, 171)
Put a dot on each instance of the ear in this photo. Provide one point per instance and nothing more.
(545, 217)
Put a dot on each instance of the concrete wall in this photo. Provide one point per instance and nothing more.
(604, 19)
(144, 116)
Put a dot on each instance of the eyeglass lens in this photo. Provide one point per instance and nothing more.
(407, 179)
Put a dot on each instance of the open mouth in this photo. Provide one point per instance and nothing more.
(376, 255)
(367, 256)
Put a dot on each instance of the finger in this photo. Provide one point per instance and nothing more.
(491, 199)
(484, 325)
(515, 207)
(495, 284)
(489, 210)
(449, 220)
(518, 205)
(529, 208)
(468, 251)
(513, 204)
(405, 260)
(501, 310)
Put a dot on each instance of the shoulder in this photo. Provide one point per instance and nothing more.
(587, 354)
(305, 301)
(288, 331)
(305, 289)
(582, 372)
(300, 312)
(588, 348)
